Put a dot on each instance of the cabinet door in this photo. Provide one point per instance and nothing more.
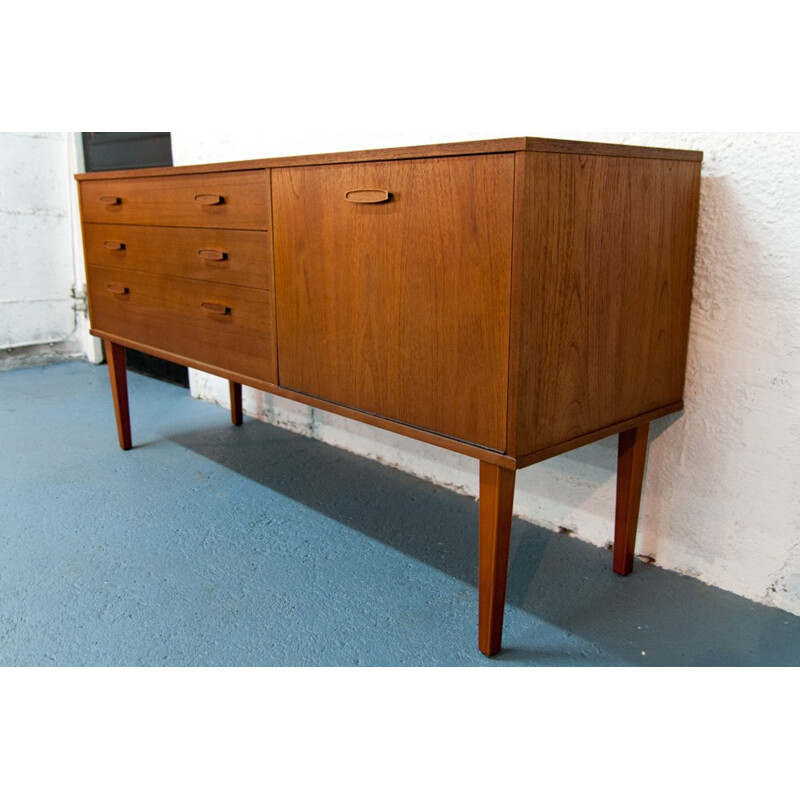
(399, 308)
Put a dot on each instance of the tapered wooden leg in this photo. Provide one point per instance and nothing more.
(236, 402)
(494, 513)
(630, 473)
(117, 372)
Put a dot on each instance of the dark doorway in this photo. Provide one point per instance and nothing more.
(103, 151)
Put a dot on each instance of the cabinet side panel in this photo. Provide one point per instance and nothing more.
(603, 287)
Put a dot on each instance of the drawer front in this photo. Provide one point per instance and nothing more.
(237, 200)
(207, 254)
(399, 273)
(224, 326)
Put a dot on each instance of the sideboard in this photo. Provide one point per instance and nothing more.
(508, 299)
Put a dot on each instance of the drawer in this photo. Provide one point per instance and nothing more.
(216, 200)
(229, 327)
(207, 254)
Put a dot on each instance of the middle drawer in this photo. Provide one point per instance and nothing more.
(207, 254)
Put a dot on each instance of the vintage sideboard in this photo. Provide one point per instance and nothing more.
(509, 299)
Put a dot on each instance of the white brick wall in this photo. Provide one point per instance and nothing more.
(37, 270)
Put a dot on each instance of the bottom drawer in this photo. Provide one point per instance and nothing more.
(228, 327)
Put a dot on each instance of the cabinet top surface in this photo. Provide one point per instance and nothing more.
(521, 143)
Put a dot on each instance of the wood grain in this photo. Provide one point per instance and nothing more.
(118, 378)
(235, 389)
(446, 443)
(602, 292)
(631, 458)
(167, 312)
(596, 436)
(479, 147)
(406, 302)
(177, 251)
(495, 514)
(171, 200)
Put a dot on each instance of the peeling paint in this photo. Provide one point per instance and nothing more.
(786, 580)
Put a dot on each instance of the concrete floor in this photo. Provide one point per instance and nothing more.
(211, 545)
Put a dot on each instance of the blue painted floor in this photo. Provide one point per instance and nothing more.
(210, 545)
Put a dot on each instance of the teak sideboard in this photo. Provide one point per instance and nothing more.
(509, 299)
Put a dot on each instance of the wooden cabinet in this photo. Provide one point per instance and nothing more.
(509, 300)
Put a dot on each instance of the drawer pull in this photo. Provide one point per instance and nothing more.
(368, 196)
(209, 199)
(117, 288)
(111, 245)
(212, 255)
(110, 200)
(216, 308)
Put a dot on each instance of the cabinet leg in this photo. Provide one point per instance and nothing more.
(236, 402)
(117, 373)
(630, 473)
(496, 505)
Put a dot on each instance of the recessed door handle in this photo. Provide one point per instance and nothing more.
(110, 200)
(212, 255)
(112, 245)
(117, 288)
(368, 196)
(216, 308)
(209, 199)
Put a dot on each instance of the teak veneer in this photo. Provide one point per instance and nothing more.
(509, 299)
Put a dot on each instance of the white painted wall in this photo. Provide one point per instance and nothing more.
(722, 498)
(41, 268)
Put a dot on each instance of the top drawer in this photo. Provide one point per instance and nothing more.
(237, 200)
